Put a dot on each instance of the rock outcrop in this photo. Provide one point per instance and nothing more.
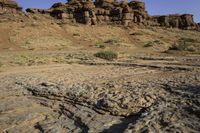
(182, 21)
(9, 6)
(114, 12)
(101, 11)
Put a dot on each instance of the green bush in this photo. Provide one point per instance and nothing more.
(107, 55)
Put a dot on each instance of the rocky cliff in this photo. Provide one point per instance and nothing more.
(182, 21)
(100, 11)
(9, 6)
(117, 12)
(106, 12)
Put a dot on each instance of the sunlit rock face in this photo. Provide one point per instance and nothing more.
(114, 12)
(182, 21)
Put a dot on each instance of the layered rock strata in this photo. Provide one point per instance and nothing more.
(182, 21)
(105, 12)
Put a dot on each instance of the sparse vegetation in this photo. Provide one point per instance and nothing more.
(107, 55)
(35, 18)
(76, 34)
(136, 34)
(113, 41)
(182, 47)
(102, 46)
(152, 43)
(188, 40)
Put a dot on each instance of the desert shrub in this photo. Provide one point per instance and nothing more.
(76, 34)
(190, 48)
(188, 40)
(149, 44)
(35, 18)
(102, 46)
(152, 43)
(1, 64)
(107, 55)
(182, 47)
(174, 47)
(113, 41)
(136, 34)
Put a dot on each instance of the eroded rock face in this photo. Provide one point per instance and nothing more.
(115, 12)
(184, 21)
(100, 11)
(9, 6)
(107, 12)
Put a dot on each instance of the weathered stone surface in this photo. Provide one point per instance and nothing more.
(101, 11)
(184, 21)
(102, 98)
(106, 12)
(9, 6)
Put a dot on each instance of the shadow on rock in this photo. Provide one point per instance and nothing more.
(121, 127)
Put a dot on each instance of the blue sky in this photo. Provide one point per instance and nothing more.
(154, 7)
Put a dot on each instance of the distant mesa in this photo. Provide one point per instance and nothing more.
(106, 12)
